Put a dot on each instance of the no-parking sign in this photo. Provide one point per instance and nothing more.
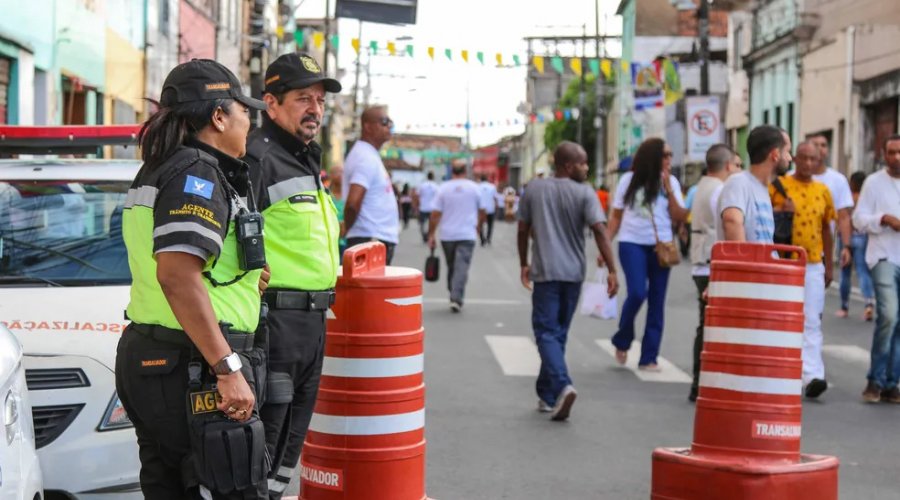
(703, 124)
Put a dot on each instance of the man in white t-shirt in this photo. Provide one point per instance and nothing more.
(425, 203)
(370, 210)
(487, 190)
(459, 212)
(841, 196)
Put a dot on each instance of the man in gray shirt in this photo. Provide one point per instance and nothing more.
(745, 207)
(554, 213)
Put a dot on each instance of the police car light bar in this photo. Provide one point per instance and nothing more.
(67, 139)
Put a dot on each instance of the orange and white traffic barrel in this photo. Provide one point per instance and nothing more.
(366, 439)
(747, 425)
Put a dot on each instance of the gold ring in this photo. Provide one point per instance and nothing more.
(231, 409)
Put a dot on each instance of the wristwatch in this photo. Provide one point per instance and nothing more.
(228, 365)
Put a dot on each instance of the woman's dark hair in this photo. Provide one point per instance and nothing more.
(171, 126)
(647, 168)
(405, 188)
(856, 181)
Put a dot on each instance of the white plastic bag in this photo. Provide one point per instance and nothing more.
(595, 301)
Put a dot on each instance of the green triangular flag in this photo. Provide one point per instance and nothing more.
(516, 60)
(448, 53)
(373, 46)
(335, 41)
(298, 38)
(480, 56)
(409, 50)
(557, 64)
(594, 64)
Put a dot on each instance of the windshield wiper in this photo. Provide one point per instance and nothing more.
(59, 253)
(24, 278)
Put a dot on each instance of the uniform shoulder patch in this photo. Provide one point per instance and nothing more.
(199, 187)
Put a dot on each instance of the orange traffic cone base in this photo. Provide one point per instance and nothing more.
(679, 474)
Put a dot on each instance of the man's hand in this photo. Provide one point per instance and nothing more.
(787, 206)
(431, 242)
(829, 275)
(891, 222)
(264, 279)
(846, 256)
(526, 279)
(237, 399)
(612, 284)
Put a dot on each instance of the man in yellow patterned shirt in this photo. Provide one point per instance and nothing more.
(813, 212)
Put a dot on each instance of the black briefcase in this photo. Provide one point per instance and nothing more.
(432, 267)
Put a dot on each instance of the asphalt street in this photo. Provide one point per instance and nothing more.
(486, 441)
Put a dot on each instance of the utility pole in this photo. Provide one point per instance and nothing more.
(703, 31)
(326, 115)
(579, 134)
(356, 82)
(599, 119)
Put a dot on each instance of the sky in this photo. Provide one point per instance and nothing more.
(420, 91)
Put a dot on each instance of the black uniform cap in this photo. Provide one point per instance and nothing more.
(204, 80)
(297, 71)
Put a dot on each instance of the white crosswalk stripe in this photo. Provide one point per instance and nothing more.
(668, 372)
(516, 355)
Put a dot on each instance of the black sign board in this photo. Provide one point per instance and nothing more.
(378, 11)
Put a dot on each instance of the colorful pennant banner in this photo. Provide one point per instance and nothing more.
(555, 115)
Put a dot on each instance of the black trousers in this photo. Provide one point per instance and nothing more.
(487, 230)
(389, 247)
(152, 383)
(297, 348)
(701, 282)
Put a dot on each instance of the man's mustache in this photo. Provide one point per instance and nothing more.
(310, 118)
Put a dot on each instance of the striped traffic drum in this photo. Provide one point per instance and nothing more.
(750, 372)
(366, 439)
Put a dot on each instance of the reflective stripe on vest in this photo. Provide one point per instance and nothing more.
(237, 304)
(301, 231)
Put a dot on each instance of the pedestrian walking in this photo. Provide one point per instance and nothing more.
(878, 215)
(370, 205)
(488, 191)
(406, 204)
(335, 188)
(647, 203)
(425, 203)
(721, 162)
(745, 208)
(302, 232)
(553, 213)
(858, 241)
(810, 201)
(196, 282)
(459, 213)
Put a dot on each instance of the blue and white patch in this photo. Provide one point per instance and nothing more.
(199, 187)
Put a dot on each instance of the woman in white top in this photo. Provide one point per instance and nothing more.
(648, 189)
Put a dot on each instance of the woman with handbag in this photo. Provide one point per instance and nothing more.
(647, 204)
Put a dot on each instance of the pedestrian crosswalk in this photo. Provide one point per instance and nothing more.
(517, 356)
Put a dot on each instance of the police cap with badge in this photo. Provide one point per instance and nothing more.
(297, 71)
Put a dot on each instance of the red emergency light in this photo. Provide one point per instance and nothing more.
(66, 139)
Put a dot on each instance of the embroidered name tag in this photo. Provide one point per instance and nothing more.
(303, 198)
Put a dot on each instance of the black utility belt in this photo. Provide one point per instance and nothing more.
(295, 299)
(240, 342)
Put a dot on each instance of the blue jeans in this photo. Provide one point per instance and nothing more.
(646, 280)
(885, 367)
(552, 307)
(858, 245)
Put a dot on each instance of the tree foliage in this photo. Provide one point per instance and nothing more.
(567, 130)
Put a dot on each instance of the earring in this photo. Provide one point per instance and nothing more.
(221, 128)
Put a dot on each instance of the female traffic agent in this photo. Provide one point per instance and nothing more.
(647, 202)
(188, 364)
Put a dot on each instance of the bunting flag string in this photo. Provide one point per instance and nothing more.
(565, 114)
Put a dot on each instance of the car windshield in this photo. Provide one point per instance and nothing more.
(62, 233)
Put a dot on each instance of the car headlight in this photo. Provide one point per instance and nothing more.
(11, 415)
(115, 416)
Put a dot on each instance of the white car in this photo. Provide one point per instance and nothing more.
(20, 471)
(64, 286)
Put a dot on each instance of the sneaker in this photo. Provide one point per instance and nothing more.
(455, 306)
(650, 367)
(891, 395)
(564, 404)
(872, 393)
(842, 313)
(815, 388)
(543, 407)
(621, 357)
(869, 313)
(692, 397)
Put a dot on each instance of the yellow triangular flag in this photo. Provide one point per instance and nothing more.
(626, 67)
(538, 62)
(279, 32)
(392, 48)
(499, 59)
(318, 39)
(575, 64)
(431, 53)
(465, 55)
(606, 68)
(355, 44)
